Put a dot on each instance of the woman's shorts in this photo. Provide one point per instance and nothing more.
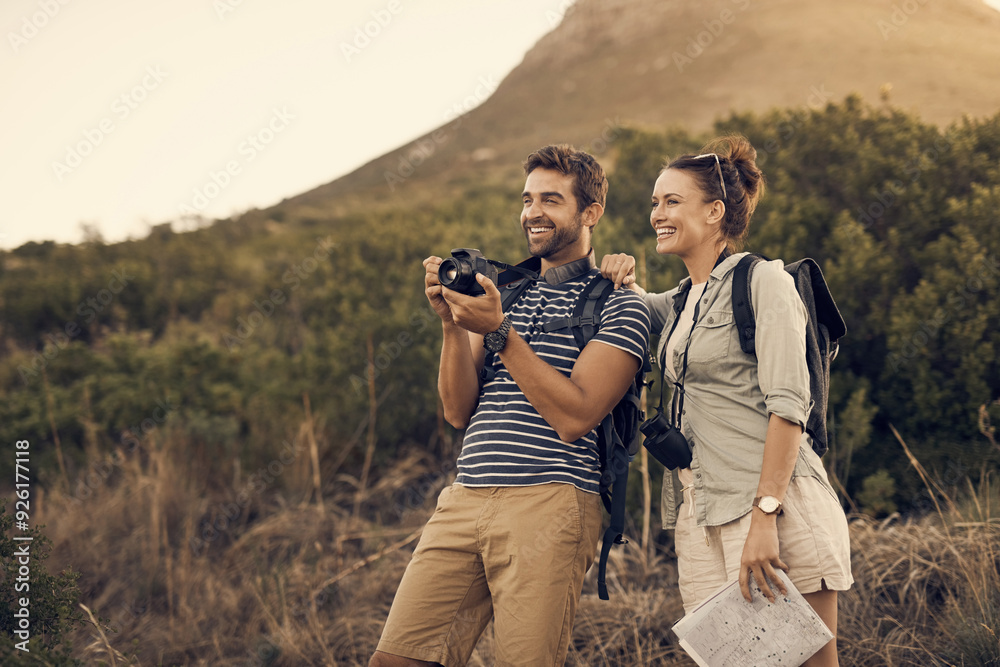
(812, 540)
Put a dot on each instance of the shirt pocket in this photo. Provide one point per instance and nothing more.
(712, 336)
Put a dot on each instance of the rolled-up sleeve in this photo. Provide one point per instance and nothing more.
(781, 342)
(659, 305)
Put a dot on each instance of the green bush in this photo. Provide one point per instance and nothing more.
(53, 600)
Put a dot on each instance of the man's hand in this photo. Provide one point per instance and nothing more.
(432, 288)
(478, 314)
(462, 354)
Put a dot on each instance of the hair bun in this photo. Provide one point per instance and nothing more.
(742, 156)
(744, 184)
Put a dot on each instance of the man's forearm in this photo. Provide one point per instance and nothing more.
(570, 410)
(458, 380)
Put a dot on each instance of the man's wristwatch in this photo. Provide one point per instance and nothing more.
(495, 341)
(767, 504)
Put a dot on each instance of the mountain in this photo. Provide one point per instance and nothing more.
(688, 62)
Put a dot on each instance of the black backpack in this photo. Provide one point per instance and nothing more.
(824, 327)
(618, 433)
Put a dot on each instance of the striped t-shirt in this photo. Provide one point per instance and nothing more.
(507, 442)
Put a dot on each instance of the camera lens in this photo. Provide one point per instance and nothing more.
(457, 275)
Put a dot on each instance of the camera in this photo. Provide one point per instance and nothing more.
(459, 272)
(665, 442)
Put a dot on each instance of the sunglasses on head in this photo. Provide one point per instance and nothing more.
(719, 166)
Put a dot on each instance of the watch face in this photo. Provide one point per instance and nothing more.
(768, 504)
(494, 341)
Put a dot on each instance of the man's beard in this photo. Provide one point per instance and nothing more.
(557, 240)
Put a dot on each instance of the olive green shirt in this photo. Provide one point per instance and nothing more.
(730, 395)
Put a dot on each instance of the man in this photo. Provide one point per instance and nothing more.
(512, 538)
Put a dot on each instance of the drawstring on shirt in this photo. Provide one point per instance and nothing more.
(690, 502)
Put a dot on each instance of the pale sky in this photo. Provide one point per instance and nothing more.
(117, 113)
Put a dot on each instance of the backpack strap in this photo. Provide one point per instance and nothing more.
(746, 323)
(614, 466)
(587, 314)
(615, 455)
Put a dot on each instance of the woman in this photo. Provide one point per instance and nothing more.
(756, 496)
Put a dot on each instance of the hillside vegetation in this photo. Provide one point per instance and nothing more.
(236, 434)
(229, 336)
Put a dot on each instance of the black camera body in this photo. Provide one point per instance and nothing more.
(459, 272)
(666, 442)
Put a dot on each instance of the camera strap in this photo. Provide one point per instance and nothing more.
(677, 399)
(509, 273)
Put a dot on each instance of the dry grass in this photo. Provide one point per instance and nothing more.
(286, 583)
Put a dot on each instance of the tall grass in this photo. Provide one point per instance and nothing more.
(285, 582)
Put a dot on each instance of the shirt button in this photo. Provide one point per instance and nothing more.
(711, 320)
(705, 300)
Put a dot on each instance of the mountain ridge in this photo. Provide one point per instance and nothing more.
(655, 64)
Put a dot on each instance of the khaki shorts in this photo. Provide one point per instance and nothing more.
(812, 541)
(516, 554)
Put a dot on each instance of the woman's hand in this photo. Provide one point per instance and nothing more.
(619, 268)
(760, 556)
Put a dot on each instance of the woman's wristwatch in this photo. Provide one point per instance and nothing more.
(767, 504)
